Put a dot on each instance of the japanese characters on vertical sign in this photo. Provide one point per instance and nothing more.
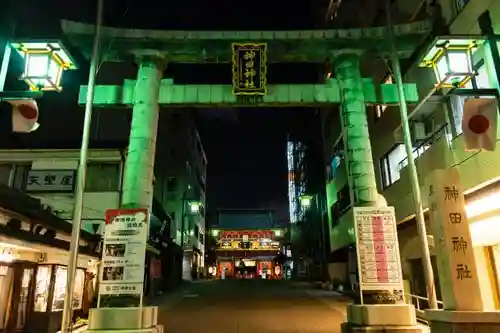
(50, 181)
(377, 247)
(454, 253)
(249, 68)
(124, 251)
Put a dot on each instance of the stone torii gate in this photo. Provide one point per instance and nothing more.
(154, 49)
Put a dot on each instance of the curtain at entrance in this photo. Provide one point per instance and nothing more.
(6, 288)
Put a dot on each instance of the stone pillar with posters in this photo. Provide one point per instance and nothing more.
(382, 303)
(456, 264)
(122, 277)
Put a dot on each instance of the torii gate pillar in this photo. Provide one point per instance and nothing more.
(362, 183)
(139, 165)
(137, 193)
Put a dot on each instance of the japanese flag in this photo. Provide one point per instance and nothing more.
(24, 115)
(479, 123)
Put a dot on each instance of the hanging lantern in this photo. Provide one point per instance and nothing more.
(44, 64)
(451, 60)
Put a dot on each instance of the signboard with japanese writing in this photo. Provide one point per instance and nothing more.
(377, 247)
(249, 68)
(50, 181)
(454, 253)
(124, 251)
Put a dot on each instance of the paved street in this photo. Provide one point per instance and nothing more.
(252, 306)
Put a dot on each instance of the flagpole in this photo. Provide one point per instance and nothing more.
(81, 175)
(417, 195)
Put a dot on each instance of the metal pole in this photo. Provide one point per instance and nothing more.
(486, 27)
(5, 65)
(183, 213)
(419, 210)
(80, 185)
(324, 264)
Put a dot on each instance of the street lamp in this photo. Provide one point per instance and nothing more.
(44, 64)
(194, 207)
(306, 201)
(451, 60)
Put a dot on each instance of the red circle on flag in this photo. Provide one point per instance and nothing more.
(28, 111)
(479, 124)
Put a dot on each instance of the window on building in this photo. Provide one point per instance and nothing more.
(103, 177)
(480, 81)
(14, 175)
(196, 231)
(389, 165)
(460, 4)
(380, 109)
(5, 173)
(20, 175)
(171, 184)
(333, 167)
(202, 238)
(395, 160)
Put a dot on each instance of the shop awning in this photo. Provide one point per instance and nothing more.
(31, 208)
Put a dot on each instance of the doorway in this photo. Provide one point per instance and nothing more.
(16, 281)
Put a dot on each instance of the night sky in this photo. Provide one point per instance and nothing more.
(245, 148)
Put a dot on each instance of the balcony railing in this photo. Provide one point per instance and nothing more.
(441, 132)
(421, 304)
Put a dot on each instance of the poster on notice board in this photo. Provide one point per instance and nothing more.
(124, 251)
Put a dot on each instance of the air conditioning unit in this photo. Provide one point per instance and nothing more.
(418, 132)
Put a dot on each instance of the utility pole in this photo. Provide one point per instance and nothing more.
(81, 176)
(417, 196)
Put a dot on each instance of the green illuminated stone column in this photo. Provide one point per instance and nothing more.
(139, 167)
(361, 178)
(119, 315)
(360, 170)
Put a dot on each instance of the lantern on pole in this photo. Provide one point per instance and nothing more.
(451, 60)
(305, 201)
(44, 65)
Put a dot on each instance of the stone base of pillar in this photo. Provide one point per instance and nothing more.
(445, 321)
(124, 320)
(349, 328)
(397, 318)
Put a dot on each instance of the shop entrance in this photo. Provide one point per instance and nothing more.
(16, 295)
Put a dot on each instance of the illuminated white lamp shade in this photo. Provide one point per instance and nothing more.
(451, 60)
(44, 64)
(194, 207)
(305, 201)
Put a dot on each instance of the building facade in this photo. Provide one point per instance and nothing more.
(438, 143)
(181, 173)
(248, 244)
(307, 201)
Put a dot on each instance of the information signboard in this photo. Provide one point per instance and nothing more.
(124, 252)
(379, 264)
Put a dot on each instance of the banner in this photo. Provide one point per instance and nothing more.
(124, 252)
(479, 123)
(380, 274)
(249, 69)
